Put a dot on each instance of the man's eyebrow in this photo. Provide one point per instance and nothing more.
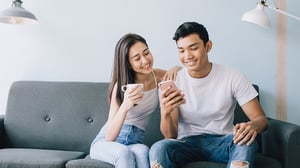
(191, 45)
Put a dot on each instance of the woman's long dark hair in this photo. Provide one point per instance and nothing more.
(122, 73)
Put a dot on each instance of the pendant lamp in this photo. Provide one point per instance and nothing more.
(16, 14)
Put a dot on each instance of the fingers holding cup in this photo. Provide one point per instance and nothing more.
(134, 92)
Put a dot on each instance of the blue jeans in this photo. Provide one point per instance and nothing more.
(127, 151)
(172, 153)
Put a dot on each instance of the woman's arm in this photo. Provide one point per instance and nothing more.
(159, 73)
(117, 113)
(172, 73)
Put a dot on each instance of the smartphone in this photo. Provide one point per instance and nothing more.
(166, 84)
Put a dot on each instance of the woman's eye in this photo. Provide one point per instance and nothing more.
(136, 58)
(147, 52)
(181, 51)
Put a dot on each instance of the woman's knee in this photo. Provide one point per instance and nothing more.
(123, 152)
(113, 149)
(139, 149)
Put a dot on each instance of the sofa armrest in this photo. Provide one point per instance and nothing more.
(1, 130)
(282, 141)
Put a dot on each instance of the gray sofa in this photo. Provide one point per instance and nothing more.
(51, 124)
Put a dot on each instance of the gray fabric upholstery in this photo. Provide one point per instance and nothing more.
(282, 142)
(55, 115)
(2, 134)
(51, 124)
(88, 162)
(36, 158)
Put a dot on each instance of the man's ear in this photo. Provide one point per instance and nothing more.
(208, 46)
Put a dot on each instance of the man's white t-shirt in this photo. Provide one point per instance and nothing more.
(210, 101)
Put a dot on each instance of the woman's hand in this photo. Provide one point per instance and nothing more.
(132, 97)
(172, 73)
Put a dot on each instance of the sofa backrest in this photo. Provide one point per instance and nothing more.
(55, 115)
(64, 115)
(239, 115)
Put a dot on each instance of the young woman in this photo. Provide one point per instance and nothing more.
(120, 140)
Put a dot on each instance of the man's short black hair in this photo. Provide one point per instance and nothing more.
(188, 28)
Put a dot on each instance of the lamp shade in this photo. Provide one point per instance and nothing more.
(257, 16)
(16, 14)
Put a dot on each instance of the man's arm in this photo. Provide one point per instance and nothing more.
(247, 132)
(170, 100)
(169, 123)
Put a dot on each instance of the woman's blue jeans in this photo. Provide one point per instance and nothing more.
(172, 153)
(127, 151)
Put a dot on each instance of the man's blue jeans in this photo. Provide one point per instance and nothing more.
(173, 153)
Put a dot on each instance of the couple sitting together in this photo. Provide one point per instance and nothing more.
(196, 119)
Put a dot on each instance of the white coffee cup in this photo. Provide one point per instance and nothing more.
(239, 164)
(130, 86)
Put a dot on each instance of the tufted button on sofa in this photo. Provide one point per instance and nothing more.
(51, 125)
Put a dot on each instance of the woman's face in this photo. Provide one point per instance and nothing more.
(140, 58)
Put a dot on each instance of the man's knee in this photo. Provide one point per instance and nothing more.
(159, 147)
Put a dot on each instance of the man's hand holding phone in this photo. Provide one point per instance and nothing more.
(171, 96)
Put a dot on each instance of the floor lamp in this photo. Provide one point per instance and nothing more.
(257, 16)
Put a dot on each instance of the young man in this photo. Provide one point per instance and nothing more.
(202, 128)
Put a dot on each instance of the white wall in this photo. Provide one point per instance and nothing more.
(293, 60)
(74, 41)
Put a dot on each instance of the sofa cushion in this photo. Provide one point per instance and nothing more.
(88, 163)
(262, 161)
(152, 132)
(35, 158)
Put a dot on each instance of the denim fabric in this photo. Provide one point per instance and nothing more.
(216, 148)
(128, 135)
(127, 151)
